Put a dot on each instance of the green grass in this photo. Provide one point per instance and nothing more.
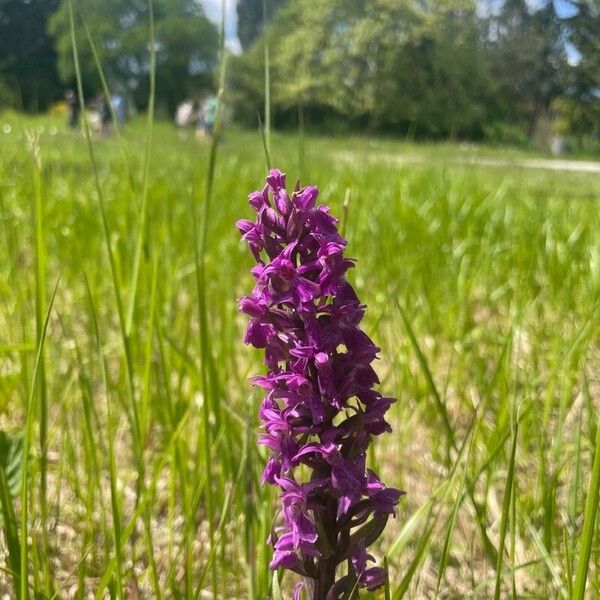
(483, 288)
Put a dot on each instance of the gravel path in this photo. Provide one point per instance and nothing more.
(552, 164)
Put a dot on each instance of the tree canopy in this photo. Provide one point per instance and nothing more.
(28, 77)
(444, 68)
(506, 70)
(582, 103)
(252, 15)
(186, 44)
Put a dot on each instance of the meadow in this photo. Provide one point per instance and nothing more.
(124, 379)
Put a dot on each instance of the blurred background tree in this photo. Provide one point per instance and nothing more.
(582, 92)
(416, 67)
(449, 68)
(502, 70)
(186, 47)
(527, 59)
(28, 77)
(252, 16)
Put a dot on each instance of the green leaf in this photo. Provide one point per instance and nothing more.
(508, 491)
(275, 588)
(386, 589)
(11, 460)
(589, 521)
(367, 534)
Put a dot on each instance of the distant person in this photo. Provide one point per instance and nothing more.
(120, 107)
(73, 109)
(105, 115)
(558, 145)
(185, 113)
(208, 116)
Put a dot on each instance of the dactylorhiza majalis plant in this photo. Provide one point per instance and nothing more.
(321, 409)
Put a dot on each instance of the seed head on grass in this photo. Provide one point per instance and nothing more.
(321, 409)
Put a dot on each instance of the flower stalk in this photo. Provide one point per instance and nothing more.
(321, 410)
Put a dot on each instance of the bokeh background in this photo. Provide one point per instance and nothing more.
(515, 72)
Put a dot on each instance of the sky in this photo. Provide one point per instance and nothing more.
(213, 11)
(564, 8)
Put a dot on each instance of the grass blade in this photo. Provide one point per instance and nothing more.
(267, 129)
(107, 94)
(506, 503)
(131, 410)
(451, 524)
(442, 490)
(24, 567)
(114, 494)
(263, 139)
(208, 371)
(589, 523)
(551, 566)
(40, 309)
(276, 589)
(144, 209)
(401, 590)
(387, 593)
(439, 404)
(411, 525)
(9, 520)
(303, 171)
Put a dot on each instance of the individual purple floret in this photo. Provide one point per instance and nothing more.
(320, 410)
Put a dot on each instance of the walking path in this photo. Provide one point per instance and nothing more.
(552, 164)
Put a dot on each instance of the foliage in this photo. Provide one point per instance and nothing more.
(437, 69)
(385, 62)
(251, 17)
(11, 468)
(11, 459)
(186, 45)
(455, 68)
(28, 78)
(582, 105)
(527, 61)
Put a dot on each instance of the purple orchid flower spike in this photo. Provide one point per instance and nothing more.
(321, 410)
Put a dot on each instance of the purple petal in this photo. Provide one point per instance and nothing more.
(298, 591)
(302, 310)
(272, 470)
(305, 198)
(373, 578)
(276, 179)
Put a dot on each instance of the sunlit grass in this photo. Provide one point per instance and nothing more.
(483, 287)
